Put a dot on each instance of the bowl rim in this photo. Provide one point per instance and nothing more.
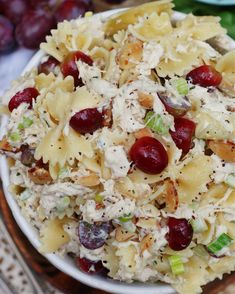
(65, 264)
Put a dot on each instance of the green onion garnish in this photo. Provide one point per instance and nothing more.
(14, 137)
(27, 122)
(199, 225)
(230, 180)
(125, 218)
(64, 172)
(99, 198)
(25, 195)
(155, 123)
(176, 264)
(62, 203)
(181, 86)
(222, 241)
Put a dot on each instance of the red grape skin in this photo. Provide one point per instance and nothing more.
(205, 76)
(183, 134)
(93, 236)
(149, 155)
(15, 9)
(34, 27)
(174, 109)
(69, 67)
(180, 233)
(25, 96)
(70, 9)
(89, 266)
(87, 120)
(27, 155)
(7, 41)
(48, 66)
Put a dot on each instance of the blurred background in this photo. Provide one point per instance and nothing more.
(23, 26)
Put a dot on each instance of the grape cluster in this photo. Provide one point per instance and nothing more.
(27, 22)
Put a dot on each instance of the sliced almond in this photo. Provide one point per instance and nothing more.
(5, 146)
(146, 243)
(145, 132)
(224, 150)
(169, 196)
(122, 235)
(89, 181)
(145, 100)
(39, 176)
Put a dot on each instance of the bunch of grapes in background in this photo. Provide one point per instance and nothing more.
(27, 22)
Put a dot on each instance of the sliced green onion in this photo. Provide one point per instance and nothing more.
(64, 172)
(222, 241)
(177, 266)
(99, 198)
(181, 86)
(14, 137)
(25, 195)
(62, 203)
(200, 251)
(27, 122)
(199, 225)
(155, 123)
(125, 218)
(230, 180)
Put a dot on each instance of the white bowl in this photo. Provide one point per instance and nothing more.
(66, 264)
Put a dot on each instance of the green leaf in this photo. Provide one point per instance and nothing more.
(125, 218)
(155, 123)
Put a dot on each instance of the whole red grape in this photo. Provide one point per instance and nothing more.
(205, 76)
(7, 41)
(69, 67)
(25, 96)
(48, 66)
(34, 27)
(15, 9)
(149, 155)
(89, 266)
(180, 233)
(70, 9)
(87, 120)
(183, 134)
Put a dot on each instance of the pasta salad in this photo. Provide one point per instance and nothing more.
(121, 146)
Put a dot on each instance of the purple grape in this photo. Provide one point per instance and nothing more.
(34, 27)
(7, 41)
(27, 155)
(70, 9)
(48, 66)
(114, 1)
(15, 9)
(93, 236)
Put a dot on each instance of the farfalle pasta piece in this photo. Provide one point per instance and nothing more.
(200, 27)
(226, 65)
(152, 27)
(53, 236)
(122, 20)
(194, 177)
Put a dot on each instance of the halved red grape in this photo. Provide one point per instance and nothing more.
(183, 134)
(34, 27)
(93, 236)
(70, 9)
(89, 266)
(15, 9)
(149, 155)
(69, 67)
(180, 233)
(87, 120)
(27, 155)
(48, 66)
(205, 76)
(175, 109)
(7, 41)
(25, 96)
